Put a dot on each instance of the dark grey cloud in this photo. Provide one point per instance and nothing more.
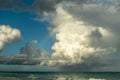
(50, 5)
(97, 12)
(95, 63)
(6, 4)
(45, 5)
(92, 64)
(39, 6)
(15, 5)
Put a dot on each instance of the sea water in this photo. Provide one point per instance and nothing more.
(59, 76)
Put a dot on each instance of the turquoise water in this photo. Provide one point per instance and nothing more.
(60, 76)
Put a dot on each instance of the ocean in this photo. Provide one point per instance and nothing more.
(59, 76)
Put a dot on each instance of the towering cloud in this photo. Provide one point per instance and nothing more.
(85, 30)
(77, 40)
(8, 35)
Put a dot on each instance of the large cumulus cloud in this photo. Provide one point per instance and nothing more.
(77, 40)
(82, 31)
(85, 31)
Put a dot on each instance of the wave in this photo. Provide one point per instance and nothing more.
(96, 79)
(69, 78)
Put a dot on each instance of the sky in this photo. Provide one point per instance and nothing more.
(30, 30)
(60, 35)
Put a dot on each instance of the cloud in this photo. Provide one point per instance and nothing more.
(86, 30)
(36, 6)
(76, 40)
(28, 55)
(6, 4)
(83, 32)
(105, 13)
(8, 35)
(40, 6)
(13, 5)
(32, 55)
(29, 49)
(32, 52)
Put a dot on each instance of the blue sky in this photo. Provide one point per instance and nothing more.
(30, 30)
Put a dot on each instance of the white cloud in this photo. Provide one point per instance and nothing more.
(8, 35)
(77, 40)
